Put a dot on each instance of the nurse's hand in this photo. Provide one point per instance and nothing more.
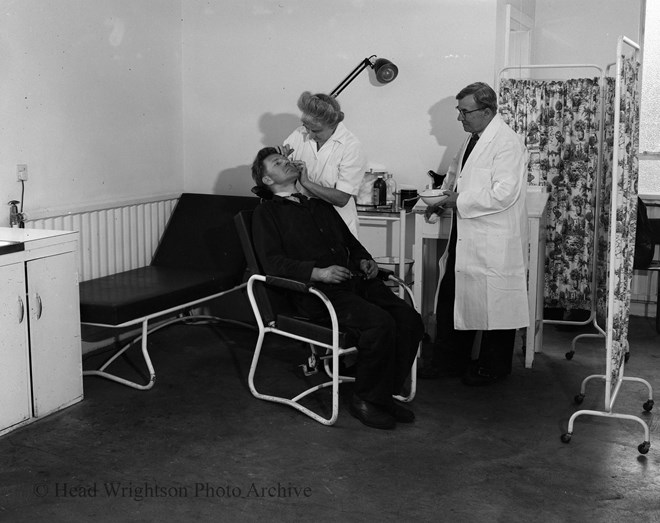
(285, 150)
(302, 168)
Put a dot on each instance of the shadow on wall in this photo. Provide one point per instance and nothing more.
(237, 181)
(275, 128)
(446, 130)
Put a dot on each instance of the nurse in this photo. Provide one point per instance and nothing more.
(333, 155)
(483, 272)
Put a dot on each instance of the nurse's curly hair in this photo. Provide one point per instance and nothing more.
(321, 108)
(259, 171)
(483, 95)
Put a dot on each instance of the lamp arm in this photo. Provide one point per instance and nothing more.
(352, 76)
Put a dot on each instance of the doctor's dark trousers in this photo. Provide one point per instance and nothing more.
(453, 348)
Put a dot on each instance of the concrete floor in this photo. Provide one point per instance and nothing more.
(199, 447)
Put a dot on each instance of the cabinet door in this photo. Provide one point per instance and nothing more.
(15, 400)
(54, 332)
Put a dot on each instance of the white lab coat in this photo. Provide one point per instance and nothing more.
(339, 164)
(492, 235)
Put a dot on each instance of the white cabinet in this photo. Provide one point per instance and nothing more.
(15, 401)
(40, 348)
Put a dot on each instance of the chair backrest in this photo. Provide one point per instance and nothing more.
(201, 235)
(276, 305)
(243, 221)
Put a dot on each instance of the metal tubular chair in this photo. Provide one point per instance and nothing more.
(327, 342)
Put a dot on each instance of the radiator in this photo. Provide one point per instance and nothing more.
(113, 239)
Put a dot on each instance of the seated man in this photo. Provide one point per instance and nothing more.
(306, 240)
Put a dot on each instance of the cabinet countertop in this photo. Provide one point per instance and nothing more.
(33, 242)
(12, 234)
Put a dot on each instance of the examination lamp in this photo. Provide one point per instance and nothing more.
(385, 71)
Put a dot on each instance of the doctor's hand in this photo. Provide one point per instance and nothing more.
(431, 210)
(450, 201)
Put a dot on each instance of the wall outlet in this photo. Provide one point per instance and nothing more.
(21, 172)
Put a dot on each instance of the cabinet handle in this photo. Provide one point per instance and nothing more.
(21, 310)
(40, 306)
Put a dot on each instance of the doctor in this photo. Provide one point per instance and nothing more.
(483, 272)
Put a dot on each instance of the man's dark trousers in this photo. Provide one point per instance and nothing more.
(388, 330)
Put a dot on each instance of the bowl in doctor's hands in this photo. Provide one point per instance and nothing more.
(433, 196)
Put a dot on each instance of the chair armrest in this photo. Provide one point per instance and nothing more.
(384, 274)
(293, 285)
(288, 284)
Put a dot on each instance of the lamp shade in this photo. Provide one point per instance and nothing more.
(385, 70)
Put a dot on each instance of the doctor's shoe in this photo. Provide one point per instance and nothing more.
(476, 376)
(371, 415)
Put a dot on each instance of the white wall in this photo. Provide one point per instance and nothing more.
(119, 99)
(583, 31)
(90, 101)
(246, 63)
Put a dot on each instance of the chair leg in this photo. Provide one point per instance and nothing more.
(413, 380)
(329, 368)
(101, 371)
(295, 401)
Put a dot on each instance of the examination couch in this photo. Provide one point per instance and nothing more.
(199, 258)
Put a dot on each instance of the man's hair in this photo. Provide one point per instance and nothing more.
(321, 108)
(259, 171)
(483, 95)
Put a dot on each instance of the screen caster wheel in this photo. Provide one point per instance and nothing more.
(644, 447)
(648, 405)
(566, 438)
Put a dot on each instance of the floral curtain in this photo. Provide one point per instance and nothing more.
(560, 121)
(626, 208)
(602, 266)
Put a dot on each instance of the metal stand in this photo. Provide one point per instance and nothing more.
(643, 447)
(615, 363)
